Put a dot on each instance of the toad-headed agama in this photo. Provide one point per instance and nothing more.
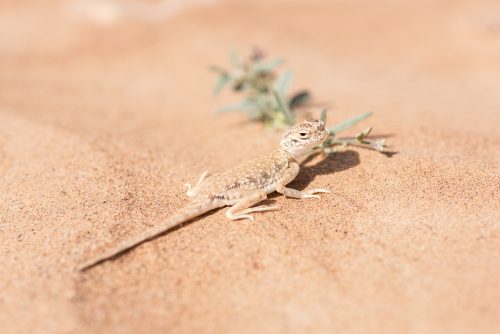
(241, 187)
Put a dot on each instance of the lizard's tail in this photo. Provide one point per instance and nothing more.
(188, 212)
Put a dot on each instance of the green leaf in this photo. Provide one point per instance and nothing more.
(217, 69)
(349, 123)
(284, 108)
(245, 106)
(283, 83)
(379, 145)
(268, 67)
(298, 99)
(362, 135)
(322, 117)
(221, 82)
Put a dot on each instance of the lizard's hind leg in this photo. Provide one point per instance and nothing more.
(193, 191)
(241, 209)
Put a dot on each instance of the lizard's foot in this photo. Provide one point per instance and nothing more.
(260, 208)
(311, 193)
(193, 191)
(243, 207)
(189, 190)
(232, 216)
(202, 177)
(244, 214)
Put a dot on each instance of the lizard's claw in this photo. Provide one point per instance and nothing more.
(261, 208)
(247, 216)
(311, 196)
(314, 191)
(311, 193)
(239, 217)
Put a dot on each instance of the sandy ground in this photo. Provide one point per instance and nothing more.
(105, 114)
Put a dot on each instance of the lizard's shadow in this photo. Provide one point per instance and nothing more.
(330, 164)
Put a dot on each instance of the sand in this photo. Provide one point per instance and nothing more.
(104, 115)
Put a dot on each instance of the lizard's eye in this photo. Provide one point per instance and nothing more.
(302, 134)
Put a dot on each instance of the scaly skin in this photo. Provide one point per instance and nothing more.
(240, 187)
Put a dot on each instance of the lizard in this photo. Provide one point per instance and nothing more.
(240, 187)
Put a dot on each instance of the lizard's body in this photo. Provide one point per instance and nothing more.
(241, 187)
(260, 174)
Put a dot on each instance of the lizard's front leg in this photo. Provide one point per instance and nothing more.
(193, 191)
(288, 177)
(241, 209)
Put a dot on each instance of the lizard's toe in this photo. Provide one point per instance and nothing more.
(264, 208)
(244, 217)
(317, 191)
(190, 191)
(311, 193)
(238, 217)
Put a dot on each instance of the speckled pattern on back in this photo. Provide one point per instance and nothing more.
(259, 174)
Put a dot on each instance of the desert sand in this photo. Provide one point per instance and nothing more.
(107, 110)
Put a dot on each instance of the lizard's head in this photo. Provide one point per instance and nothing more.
(302, 137)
